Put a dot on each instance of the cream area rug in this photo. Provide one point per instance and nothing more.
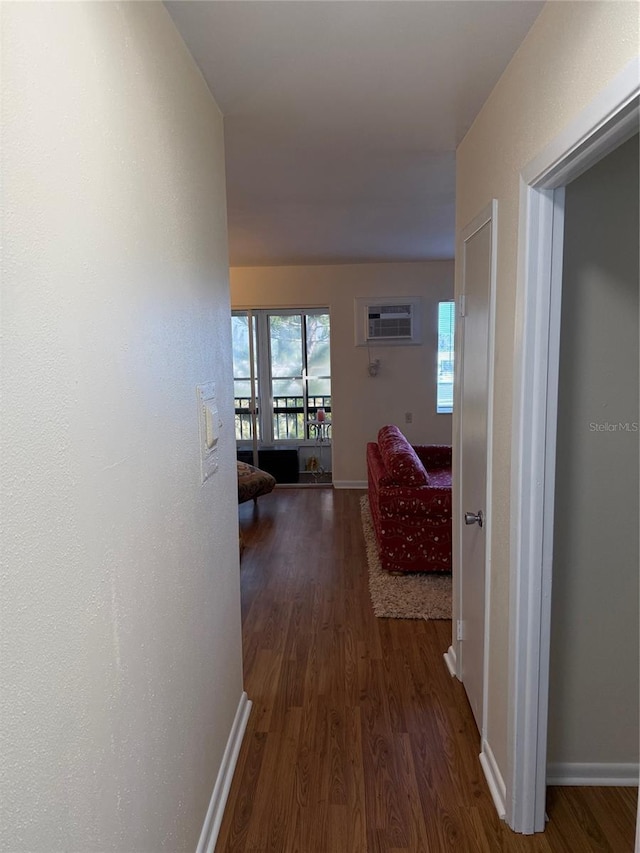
(412, 596)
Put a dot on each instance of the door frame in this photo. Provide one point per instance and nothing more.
(454, 655)
(608, 121)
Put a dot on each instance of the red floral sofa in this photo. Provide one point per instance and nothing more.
(410, 502)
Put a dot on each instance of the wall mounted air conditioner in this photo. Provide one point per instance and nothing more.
(391, 320)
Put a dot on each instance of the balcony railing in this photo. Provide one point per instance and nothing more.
(288, 416)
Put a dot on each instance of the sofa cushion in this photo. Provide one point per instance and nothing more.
(400, 459)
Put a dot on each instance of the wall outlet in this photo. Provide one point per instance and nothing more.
(408, 417)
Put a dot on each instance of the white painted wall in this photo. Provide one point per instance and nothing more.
(121, 649)
(594, 684)
(407, 378)
(572, 51)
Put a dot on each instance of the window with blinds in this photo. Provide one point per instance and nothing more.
(444, 377)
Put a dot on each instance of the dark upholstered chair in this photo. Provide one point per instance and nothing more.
(253, 483)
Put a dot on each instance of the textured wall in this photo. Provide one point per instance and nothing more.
(407, 378)
(572, 51)
(593, 699)
(121, 653)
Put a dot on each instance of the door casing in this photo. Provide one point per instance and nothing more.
(610, 119)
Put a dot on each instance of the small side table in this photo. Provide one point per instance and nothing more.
(320, 432)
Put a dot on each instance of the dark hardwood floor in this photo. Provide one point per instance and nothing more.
(359, 739)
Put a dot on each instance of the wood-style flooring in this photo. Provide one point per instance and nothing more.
(359, 739)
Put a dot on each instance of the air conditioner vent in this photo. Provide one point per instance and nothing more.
(388, 320)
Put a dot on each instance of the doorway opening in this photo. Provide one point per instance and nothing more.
(594, 661)
(608, 122)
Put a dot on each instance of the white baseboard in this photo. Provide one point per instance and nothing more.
(212, 821)
(593, 774)
(494, 779)
(350, 484)
(451, 660)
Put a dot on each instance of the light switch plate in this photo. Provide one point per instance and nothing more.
(209, 425)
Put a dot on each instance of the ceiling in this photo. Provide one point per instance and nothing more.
(342, 118)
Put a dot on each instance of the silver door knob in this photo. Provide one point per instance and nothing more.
(474, 518)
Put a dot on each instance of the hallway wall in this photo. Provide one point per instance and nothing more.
(120, 623)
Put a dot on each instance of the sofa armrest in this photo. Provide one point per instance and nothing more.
(376, 469)
(434, 455)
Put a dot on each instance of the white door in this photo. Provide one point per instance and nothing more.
(473, 455)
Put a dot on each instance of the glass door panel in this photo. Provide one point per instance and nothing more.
(317, 329)
(242, 375)
(287, 376)
(318, 367)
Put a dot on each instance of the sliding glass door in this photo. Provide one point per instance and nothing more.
(290, 377)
